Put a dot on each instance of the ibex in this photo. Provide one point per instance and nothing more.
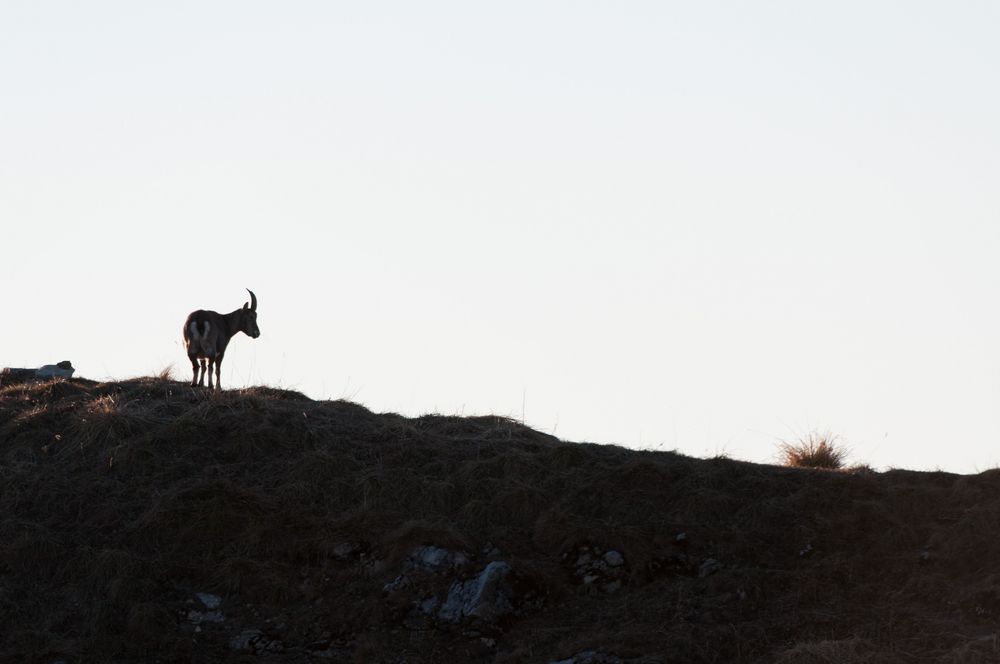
(207, 333)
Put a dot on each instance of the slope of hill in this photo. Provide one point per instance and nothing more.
(144, 521)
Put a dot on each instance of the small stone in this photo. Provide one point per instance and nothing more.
(436, 559)
(614, 559)
(400, 582)
(430, 556)
(681, 538)
(246, 640)
(708, 567)
(589, 579)
(806, 551)
(428, 605)
(209, 600)
(344, 550)
(198, 617)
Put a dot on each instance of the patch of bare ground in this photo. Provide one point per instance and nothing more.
(144, 521)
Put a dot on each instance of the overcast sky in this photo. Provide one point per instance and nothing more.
(701, 226)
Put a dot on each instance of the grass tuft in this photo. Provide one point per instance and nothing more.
(814, 451)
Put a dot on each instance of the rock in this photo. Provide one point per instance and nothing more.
(436, 559)
(708, 567)
(806, 551)
(374, 567)
(246, 639)
(598, 567)
(256, 642)
(62, 370)
(681, 538)
(614, 559)
(400, 582)
(428, 605)
(199, 617)
(486, 598)
(209, 600)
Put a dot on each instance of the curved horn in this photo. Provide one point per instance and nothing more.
(253, 300)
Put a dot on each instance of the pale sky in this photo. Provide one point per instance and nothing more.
(701, 226)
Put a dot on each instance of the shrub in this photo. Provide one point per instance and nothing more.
(814, 451)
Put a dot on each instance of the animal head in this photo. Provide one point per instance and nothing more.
(249, 317)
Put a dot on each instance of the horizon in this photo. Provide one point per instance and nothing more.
(704, 228)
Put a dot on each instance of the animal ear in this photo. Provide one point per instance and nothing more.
(246, 305)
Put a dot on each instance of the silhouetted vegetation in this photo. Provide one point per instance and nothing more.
(814, 451)
(120, 501)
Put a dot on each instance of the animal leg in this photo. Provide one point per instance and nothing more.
(218, 372)
(201, 377)
(194, 367)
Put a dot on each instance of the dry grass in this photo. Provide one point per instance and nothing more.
(167, 373)
(814, 451)
(118, 501)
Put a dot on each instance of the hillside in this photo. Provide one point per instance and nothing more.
(144, 521)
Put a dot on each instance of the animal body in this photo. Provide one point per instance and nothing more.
(207, 334)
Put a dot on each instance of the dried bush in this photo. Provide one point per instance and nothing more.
(814, 451)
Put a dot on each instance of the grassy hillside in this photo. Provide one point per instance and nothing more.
(146, 521)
